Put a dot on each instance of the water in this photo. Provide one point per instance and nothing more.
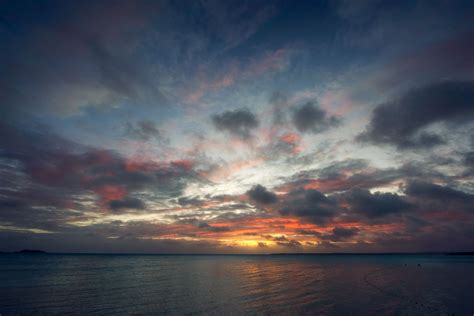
(145, 284)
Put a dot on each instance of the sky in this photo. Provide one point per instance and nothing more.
(237, 126)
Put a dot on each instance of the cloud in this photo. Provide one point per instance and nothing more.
(280, 238)
(469, 159)
(127, 203)
(239, 123)
(287, 144)
(445, 197)
(344, 175)
(57, 180)
(340, 234)
(214, 229)
(192, 219)
(468, 162)
(401, 122)
(285, 242)
(23, 212)
(310, 205)
(311, 118)
(143, 130)
(292, 243)
(260, 194)
(190, 201)
(376, 205)
(96, 70)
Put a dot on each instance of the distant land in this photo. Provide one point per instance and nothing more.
(25, 251)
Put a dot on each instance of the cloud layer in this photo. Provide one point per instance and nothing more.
(236, 127)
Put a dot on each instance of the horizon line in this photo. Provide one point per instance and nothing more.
(36, 251)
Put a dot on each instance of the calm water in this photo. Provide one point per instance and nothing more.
(135, 284)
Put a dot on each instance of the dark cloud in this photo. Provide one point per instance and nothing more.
(340, 234)
(308, 232)
(376, 205)
(445, 197)
(292, 243)
(402, 122)
(260, 194)
(311, 118)
(239, 123)
(128, 203)
(346, 186)
(143, 130)
(469, 159)
(284, 241)
(280, 238)
(434, 191)
(337, 234)
(310, 205)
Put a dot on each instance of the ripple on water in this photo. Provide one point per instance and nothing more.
(235, 284)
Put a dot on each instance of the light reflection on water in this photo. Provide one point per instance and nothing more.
(361, 285)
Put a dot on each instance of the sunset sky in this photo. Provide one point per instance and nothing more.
(237, 126)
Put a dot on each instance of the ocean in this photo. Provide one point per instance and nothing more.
(236, 284)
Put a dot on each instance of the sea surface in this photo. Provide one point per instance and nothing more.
(236, 284)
